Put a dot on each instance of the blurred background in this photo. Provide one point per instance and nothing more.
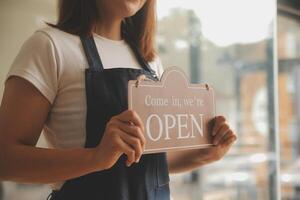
(249, 51)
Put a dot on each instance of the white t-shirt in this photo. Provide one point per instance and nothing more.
(54, 62)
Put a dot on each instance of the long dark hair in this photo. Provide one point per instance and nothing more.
(80, 16)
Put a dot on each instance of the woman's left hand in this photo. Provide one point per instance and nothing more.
(223, 138)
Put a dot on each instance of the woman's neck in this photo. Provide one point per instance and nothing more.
(110, 29)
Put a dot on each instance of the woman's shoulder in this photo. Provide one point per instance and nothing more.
(64, 46)
(55, 36)
(49, 37)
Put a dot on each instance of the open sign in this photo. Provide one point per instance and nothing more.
(176, 114)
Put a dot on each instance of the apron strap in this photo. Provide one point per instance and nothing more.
(94, 59)
(91, 53)
(139, 56)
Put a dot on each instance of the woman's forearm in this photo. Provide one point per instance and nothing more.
(28, 164)
(183, 161)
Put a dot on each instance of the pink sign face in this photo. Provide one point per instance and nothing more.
(176, 114)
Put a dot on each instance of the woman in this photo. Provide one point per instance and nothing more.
(59, 84)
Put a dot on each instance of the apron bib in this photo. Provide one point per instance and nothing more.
(106, 93)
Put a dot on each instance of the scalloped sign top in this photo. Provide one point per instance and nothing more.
(176, 114)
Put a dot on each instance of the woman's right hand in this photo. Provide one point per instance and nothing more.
(20, 159)
(124, 134)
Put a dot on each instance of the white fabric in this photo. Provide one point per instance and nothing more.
(54, 62)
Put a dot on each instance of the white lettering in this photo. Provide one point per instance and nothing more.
(187, 126)
(199, 127)
(169, 125)
(151, 101)
(182, 124)
(148, 123)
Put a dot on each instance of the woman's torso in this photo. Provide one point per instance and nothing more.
(54, 61)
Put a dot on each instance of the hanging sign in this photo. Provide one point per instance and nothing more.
(176, 114)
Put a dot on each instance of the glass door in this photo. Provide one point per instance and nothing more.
(229, 45)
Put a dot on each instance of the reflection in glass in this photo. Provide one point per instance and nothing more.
(228, 44)
(289, 88)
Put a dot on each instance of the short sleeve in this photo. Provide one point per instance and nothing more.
(36, 63)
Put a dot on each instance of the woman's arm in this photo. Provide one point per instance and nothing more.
(22, 115)
(182, 161)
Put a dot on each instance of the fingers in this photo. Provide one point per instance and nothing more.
(221, 132)
(131, 116)
(128, 151)
(218, 122)
(228, 139)
(129, 128)
(134, 131)
(133, 136)
(134, 143)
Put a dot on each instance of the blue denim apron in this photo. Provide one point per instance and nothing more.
(106, 93)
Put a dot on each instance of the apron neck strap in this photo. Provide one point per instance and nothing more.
(91, 53)
(94, 59)
(139, 56)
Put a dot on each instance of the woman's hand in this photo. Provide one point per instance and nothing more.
(223, 138)
(123, 135)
